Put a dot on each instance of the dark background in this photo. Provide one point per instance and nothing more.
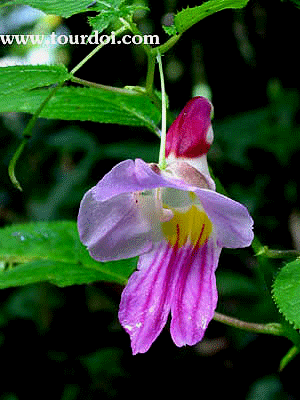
(67, 343)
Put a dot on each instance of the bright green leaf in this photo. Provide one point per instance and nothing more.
(52, 251)
(24, 89)
(170, 30)
(111, 12)
(57, 7)
(286, 292)
(86, 104)
(186, 18)
(20, 78)
(101, 21)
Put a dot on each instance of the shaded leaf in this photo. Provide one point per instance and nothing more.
(266, 128)
(52, 251)
(232, 284)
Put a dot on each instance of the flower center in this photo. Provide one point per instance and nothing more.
(191, 227)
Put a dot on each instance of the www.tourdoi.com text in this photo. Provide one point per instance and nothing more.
(95, 38)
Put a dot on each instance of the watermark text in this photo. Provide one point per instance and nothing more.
(95, 38)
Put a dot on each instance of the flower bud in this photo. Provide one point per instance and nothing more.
(191, 134)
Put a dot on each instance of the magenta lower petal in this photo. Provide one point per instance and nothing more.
(195, 298)
(170, 279)
(145, 302)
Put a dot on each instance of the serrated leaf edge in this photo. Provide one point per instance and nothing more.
(273, 289)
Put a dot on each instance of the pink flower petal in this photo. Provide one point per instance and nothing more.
(169, 278)
(145, 301)
(232, 221)
(113, 229)
(195, 298)
(127, 176)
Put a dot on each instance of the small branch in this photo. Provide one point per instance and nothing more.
(275, 329)
(12, 164)
(96, 49)
(163, 48)
(150, 73)
(134, 29)
(27, 134)
(291, 354)
(270, 253)
(162, 151)
(104, 87)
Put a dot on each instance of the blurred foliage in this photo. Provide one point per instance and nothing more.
(68, 339)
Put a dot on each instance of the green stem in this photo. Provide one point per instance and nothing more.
(96, 49)
(151, 59)
(103, 87)
(150, 54)
(163, 48)
(27, 134)
(134, 29)
(12, 164)
(150, 73)
(291, 354)
(270, 253)
(275, 329)
(162, 152)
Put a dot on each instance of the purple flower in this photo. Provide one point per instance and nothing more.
(176, 222)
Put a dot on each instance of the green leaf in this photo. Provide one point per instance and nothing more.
(52, 251)
(86, 104)
(20, 78)
(286, 292)
(185, 19)
(57, 7)
(111, 12)
(170, 30)
(25, 89)
(109, 9)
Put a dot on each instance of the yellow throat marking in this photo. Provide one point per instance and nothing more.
(192, 227)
